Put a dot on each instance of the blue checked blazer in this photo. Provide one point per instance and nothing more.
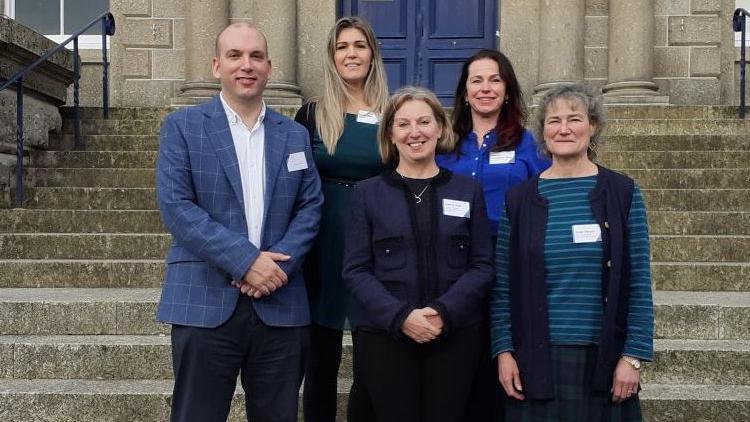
(199, 191)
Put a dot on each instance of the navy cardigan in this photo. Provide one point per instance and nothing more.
(381, 265)
(527, 211)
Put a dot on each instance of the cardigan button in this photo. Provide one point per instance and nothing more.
(387, 251)
(606, 224)
(609, 264)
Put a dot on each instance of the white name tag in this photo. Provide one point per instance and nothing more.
(296, 161)
(587, 233)
(503, 157)
(367, 117)
(456, 208)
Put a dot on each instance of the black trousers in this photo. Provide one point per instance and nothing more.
(410, 382)
(486, 401)
(320, 397)
(207, 361)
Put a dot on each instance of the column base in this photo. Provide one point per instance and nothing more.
(633, 92)
(282, 94)
(192, 93)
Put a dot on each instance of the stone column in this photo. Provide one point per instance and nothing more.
(561, 58)
(631, 53)
(203, 20)
(278, 21)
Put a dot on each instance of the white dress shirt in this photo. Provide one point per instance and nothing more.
(249, 146)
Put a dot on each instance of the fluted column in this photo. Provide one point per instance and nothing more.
(278, 21)
(561, 36)
(203, 20)
(631, 52)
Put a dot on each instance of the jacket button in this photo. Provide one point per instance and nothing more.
(609, 264)
(460, 246)
(605, 299)
(606, 224)
(387, 251)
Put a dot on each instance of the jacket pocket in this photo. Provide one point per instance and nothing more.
(458, 251)
(389, 253)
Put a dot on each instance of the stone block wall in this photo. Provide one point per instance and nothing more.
(595, 42)
(687, 50)
(148, 52)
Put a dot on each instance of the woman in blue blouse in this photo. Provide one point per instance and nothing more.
(497, 151)
(572, 313)
(488, 115)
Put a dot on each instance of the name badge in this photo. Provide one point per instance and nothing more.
(296, 161)
(587, 233)
(454, 208)
(503, 157)
(367, 117)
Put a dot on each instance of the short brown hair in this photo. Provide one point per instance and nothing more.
(245, 24)
(388, 151)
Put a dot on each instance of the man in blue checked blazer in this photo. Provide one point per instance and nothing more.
(238, 191)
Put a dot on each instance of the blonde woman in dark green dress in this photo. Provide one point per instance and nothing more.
(343, 126)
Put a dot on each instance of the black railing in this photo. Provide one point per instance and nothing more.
(738, 24)
(108, 28)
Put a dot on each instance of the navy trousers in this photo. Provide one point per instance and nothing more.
(207, 361)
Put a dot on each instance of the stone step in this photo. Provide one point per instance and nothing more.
(145, 199)
(88, 246)
(697, 199)
(699, 222)
(141, 113)
(130, 311)
(114, 142)
(114, 126)
(84, 273)
(676, 127)
(674, 159)
(691, 178)
(677, 276)
(699, 362)
(702, 315)
(93, 159)
(700, 248)
(148, 400)
(154, 245)
(695, 403)
(149, 357)
(149, 221)
(79, 311)
(89, 198)
(86, 357)
(676, 142)
(21, 220)
(698, 276)
(612, 159)
(671, 112)
(93, 177)
(145, 178)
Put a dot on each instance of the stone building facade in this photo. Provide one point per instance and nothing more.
(642, 51)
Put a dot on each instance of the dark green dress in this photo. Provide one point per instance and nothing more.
(356, 158)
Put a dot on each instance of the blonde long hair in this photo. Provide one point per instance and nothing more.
(331, 106)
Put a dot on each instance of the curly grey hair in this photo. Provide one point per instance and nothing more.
(583, 96)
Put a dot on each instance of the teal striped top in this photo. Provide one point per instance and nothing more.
(573, 273)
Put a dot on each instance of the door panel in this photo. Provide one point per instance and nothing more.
(424, 42)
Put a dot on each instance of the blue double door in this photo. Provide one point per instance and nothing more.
(424, 42)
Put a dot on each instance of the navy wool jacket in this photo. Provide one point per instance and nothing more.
(382, 249)
(527, 211)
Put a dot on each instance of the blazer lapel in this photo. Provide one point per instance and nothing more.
(217, 128)
(275, 150)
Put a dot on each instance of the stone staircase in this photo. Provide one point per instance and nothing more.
(81, 266)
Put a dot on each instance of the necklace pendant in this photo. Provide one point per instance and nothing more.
(418, 199)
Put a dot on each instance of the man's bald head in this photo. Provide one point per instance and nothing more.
(240, 24)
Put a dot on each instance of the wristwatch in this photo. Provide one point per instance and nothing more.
(634, 362)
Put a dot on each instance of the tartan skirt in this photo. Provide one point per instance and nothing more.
(575, 401)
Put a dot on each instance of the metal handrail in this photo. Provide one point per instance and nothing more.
(738, 24)
(108, 28)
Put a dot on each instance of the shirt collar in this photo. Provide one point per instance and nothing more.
(234, 118)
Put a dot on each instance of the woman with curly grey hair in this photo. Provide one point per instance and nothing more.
(571, 307)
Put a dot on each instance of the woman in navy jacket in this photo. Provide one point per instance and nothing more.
(418, 262)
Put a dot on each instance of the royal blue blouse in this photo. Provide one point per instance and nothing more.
(496, 172)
